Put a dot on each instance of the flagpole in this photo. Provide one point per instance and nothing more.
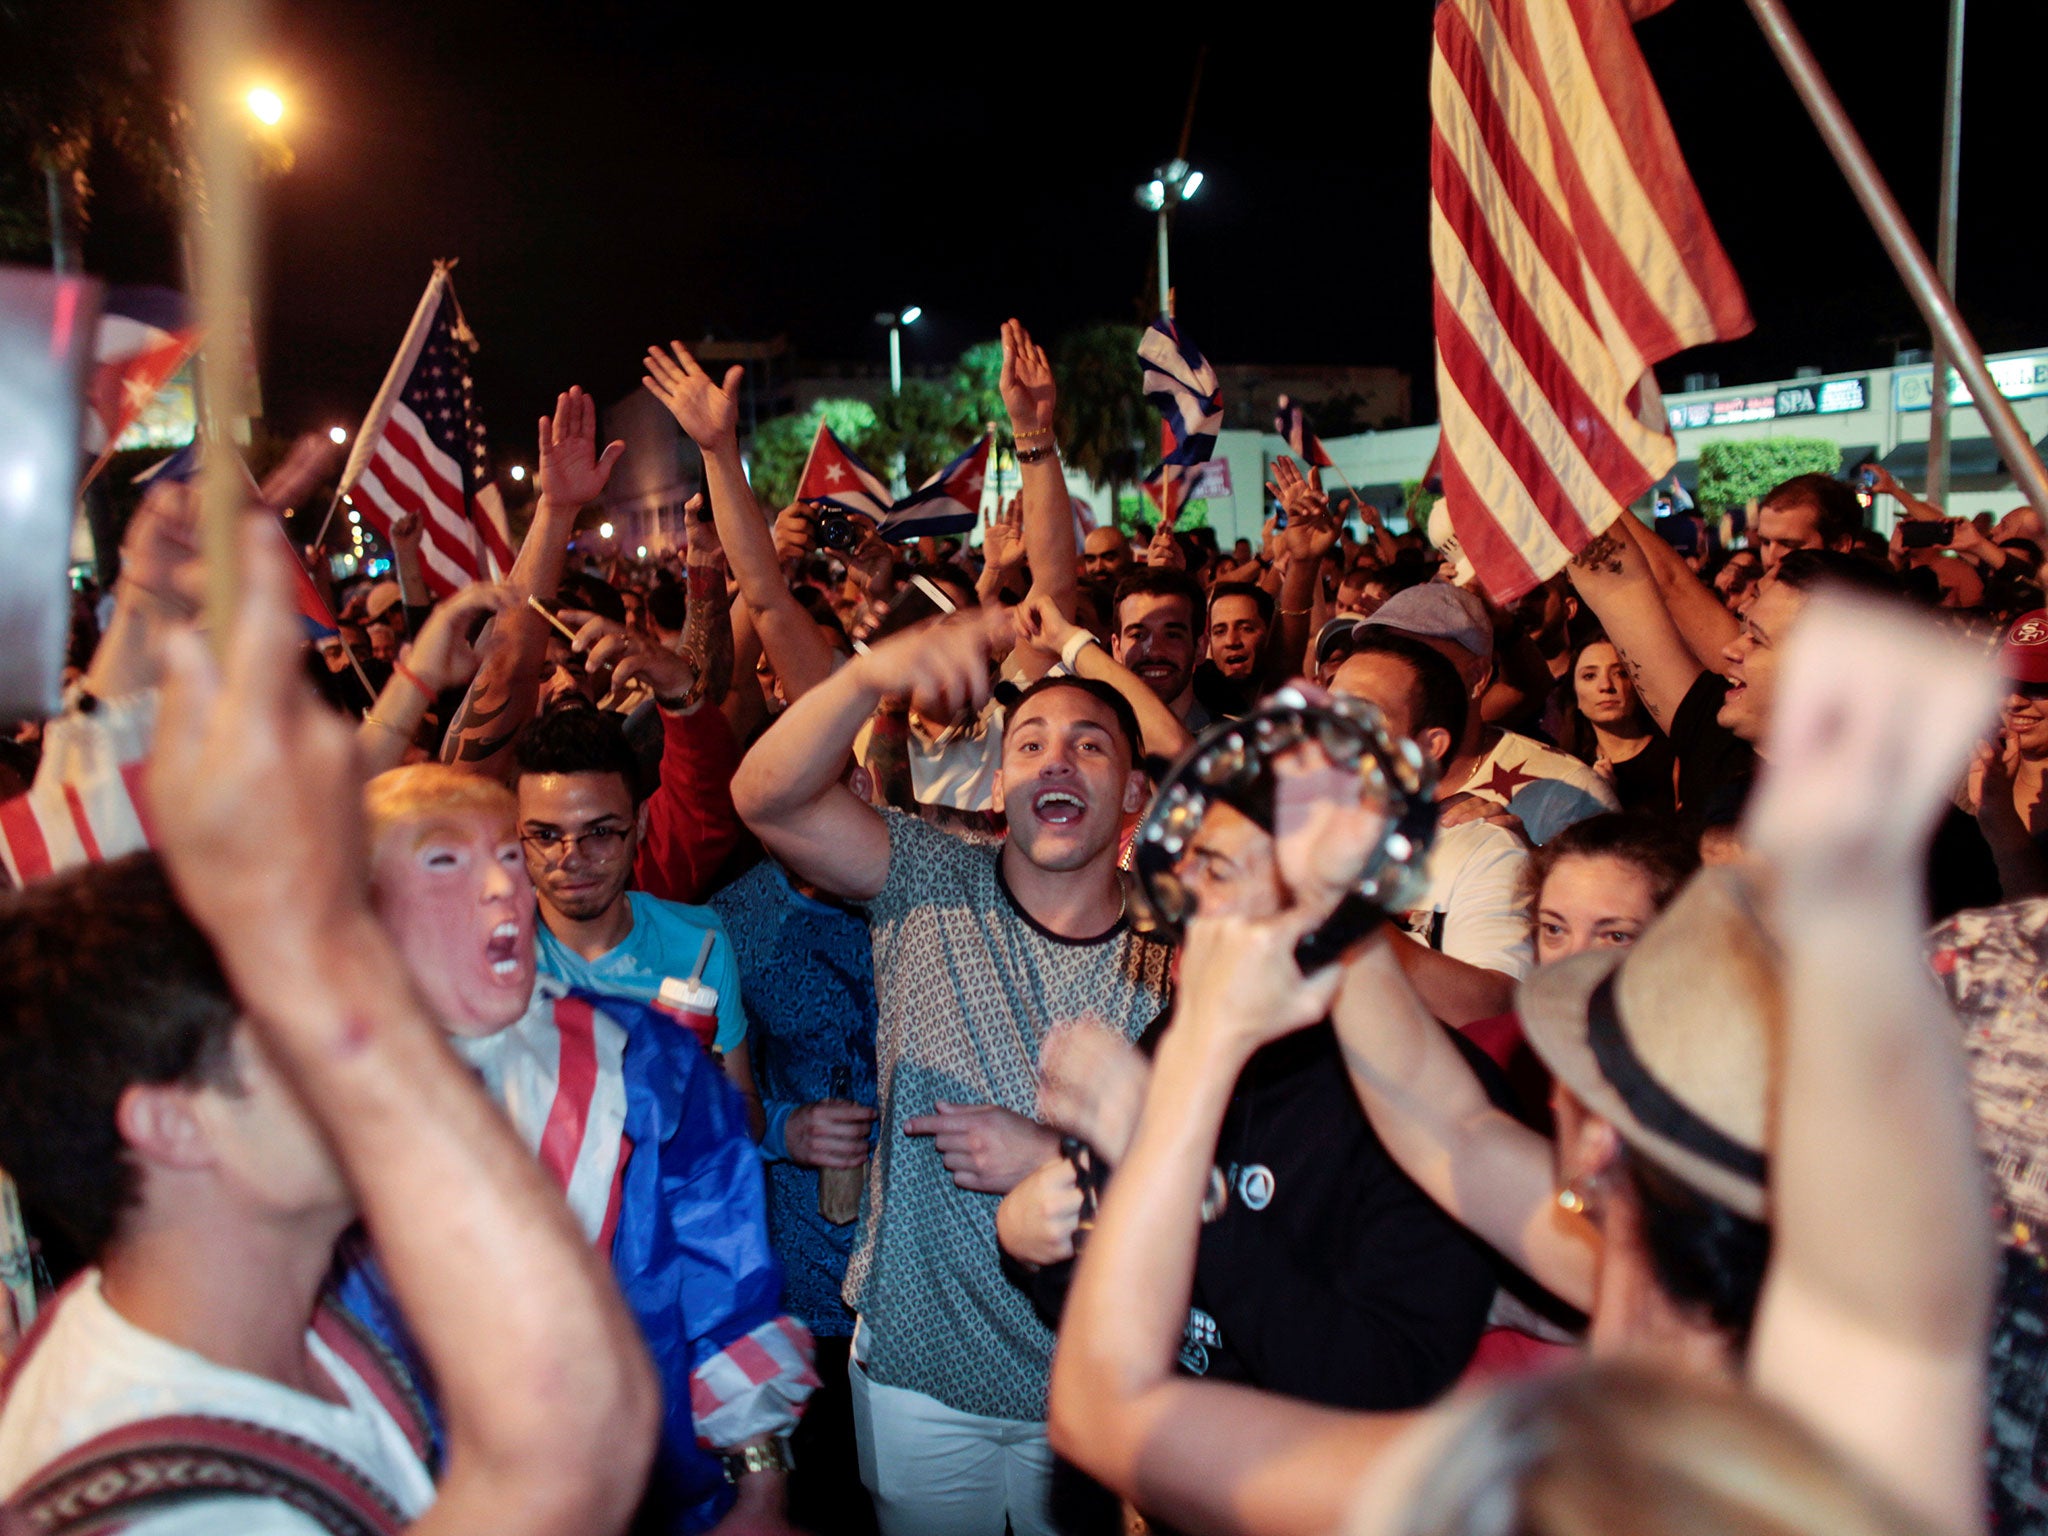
(1936, 306)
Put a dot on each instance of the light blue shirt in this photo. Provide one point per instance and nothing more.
(663, 942)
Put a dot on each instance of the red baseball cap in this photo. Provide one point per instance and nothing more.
(2024, 656)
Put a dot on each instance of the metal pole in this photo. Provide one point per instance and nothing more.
(895, 359)
(1882, 209)
(1165, 287)
(1945, 249)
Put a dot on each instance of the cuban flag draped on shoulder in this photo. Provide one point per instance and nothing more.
(1291, 422)
(1181, 384)
(834, 476)
(949, 502)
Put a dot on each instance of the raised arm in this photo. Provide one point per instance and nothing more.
(1480, 1164)
(1703, 620)
(789, 788)
(1615, 580)
(1874, 1316)
(507, 687)
(1054, 633)
(1201, 1455)
(551, 1403)
(709, 412)
(1309, 536)
(1030, 395)
(443, 656)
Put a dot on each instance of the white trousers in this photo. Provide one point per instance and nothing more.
(935, 1471)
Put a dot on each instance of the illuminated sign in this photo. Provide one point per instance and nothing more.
(1744, 408)
(2017, 378)
(1823, 399)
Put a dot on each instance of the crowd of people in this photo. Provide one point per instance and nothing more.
(697, 1044)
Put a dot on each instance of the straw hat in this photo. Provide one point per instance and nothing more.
(1677, 1040)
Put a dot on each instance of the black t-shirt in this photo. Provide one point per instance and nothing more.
(1329, 1275)
(1714, 764)
(1645, 782)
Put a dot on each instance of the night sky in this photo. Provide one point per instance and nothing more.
(610, 176)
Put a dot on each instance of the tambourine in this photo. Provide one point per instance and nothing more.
(1232, 763)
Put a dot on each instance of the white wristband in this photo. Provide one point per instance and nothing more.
(1075, 643)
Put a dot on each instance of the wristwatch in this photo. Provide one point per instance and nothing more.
(772, 1457)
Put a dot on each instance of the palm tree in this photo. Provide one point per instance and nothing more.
(1103, 417)
(76, 77)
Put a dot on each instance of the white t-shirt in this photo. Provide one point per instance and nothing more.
(95, 1371)
(1477, 909)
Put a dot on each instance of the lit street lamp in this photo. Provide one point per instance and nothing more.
(337, 434)
(908, 316)
(1171, 185)
(266, 106)
(518, 471)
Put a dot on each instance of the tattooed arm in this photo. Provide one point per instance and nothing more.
(1617, 585)
(1702, 619)
(501, 700)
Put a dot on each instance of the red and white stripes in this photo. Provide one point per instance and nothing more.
(1570, 253)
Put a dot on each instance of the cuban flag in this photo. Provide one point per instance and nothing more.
(834, 476)
(1181, 384)
(949, 502)
(145, 337)
(1173, 486)
(1291, 422)
(314, 614)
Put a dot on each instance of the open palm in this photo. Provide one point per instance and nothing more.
(1029, 393)
(706, 410)
(572, 472)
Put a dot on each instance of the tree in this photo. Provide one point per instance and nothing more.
(1733, 474)
(977, 376)
(927, 424)
(78, 77)
(1104, 421)
(779, 446)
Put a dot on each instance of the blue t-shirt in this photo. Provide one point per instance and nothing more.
(663, 942)
(808, 979)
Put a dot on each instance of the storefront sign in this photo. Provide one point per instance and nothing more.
(2017, 378)
(1823, 398)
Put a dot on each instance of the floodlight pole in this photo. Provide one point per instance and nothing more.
(1945, 249)
(1165, 286)
(1936, 307)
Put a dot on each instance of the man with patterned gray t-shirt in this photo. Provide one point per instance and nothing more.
(980, 949)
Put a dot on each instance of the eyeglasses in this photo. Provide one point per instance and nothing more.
(602, 842)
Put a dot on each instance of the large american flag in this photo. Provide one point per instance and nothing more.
(421, 449)
(1571, 252)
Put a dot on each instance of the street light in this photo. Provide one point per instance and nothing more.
(518, 471)
(604, 530)
(908, 315)
(337, 434)
(266, 106)
(1171, 185)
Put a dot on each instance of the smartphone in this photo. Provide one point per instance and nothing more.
(1928, 535)
(1866, 477)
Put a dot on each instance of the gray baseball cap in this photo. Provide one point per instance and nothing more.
(1436, 610)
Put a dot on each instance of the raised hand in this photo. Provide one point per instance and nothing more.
(1029, 393)
(1041, 622)
(445, 655)
(707, 410)
(160, 552)
(941, 667)
(572, 473)
(700, 535)
(793, 539)
(1240, 988)
(605, 645)
(1164, 552)
(256, 793)
(406, 531)
(1002, 539)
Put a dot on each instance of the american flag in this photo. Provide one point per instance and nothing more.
(421, 449)
(1570, 252)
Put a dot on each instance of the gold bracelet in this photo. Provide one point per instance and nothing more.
(1295, 613)
(1034, 432)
